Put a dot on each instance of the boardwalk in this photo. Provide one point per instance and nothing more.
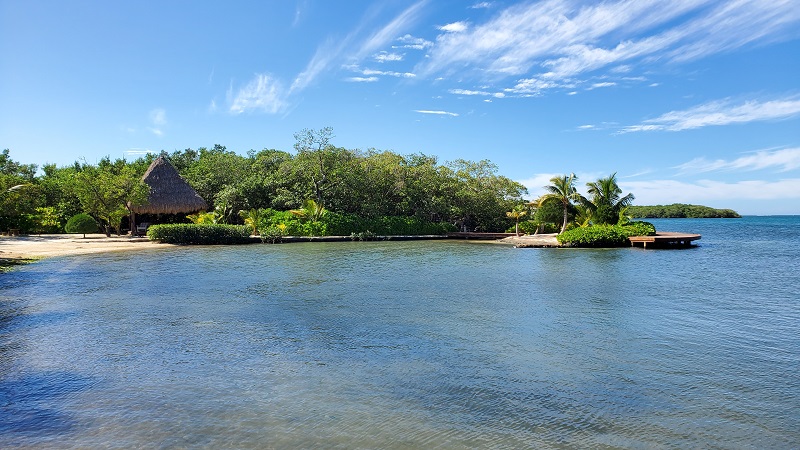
(665, 239)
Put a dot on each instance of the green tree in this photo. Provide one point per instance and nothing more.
(563, 191)
(20, 194)
(316, 159)
(607, 201)
(106, 189)
(481, 196)
(81, 224)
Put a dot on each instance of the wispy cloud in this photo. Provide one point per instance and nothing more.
(370, 72)
(554, 41)
(410, 42)
(263, 93)
(362, 79)
(783, 160)
(353, 48)
(723, 112)
(389, 32)
(434, 112)
(481, 5)
(481, 93)
(384, 56)
(158, 119)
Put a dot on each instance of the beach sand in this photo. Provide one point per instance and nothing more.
(532, 241)
(49, 245)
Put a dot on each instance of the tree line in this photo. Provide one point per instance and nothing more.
(373, 183)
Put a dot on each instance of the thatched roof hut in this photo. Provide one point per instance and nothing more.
(169, 193)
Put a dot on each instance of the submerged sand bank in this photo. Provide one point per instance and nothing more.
(49, 245)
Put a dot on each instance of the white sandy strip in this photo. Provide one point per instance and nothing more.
(48, 245)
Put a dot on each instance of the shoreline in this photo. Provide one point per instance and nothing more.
(15, 250)
(25, 248)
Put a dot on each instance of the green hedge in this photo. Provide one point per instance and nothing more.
(605, 235)
(199, 234)
(335, 224)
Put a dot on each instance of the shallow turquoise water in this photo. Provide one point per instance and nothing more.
(410, 344)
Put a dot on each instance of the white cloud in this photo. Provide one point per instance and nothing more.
(481, 5)
(655, 192)
(782, 160)
(362, 79)
(370, 72)
(263, 93)
(556, 40)
(722, 112)
(455, 27)
(336, 50)
(601, 85)
(440, 113)
(411, 42)
(481, 93)
(385, 56)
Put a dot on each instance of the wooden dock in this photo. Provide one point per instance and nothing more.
(665, 239)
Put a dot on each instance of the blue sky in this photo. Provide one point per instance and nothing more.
(688, 101)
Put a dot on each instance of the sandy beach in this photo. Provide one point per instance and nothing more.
(532, 241)
(49, 245)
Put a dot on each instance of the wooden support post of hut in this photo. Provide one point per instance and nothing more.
(169, 193)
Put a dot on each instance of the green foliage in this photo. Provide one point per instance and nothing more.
(81, 224)
(311, 210)
(604, 235)
(46, 220)
(199, 234)
(251, 218)
(532, 227)
(107, 188)
(607, 201)
(681, 210)
(562, 191)
(336, 224)
(640, 228)
(205, 218)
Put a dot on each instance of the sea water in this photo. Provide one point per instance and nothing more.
(410, 345)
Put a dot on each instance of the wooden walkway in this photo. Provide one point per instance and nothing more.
(665, 239)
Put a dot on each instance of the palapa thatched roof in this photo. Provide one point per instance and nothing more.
(169, 193)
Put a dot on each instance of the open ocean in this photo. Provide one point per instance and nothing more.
(435, 344)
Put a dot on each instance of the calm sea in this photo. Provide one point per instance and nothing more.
(410, 345)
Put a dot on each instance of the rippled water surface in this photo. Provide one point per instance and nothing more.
(410, 344)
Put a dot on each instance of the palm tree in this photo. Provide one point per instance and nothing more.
(606, 203)
(252, 218)
(516, 213)
(311, 210)
(562, 190)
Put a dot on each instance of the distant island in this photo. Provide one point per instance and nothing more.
(680, 211)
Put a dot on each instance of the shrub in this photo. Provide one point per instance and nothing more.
(604, 235)
(199, 234)
(336, 224)
(640, 228)
(81, 224)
